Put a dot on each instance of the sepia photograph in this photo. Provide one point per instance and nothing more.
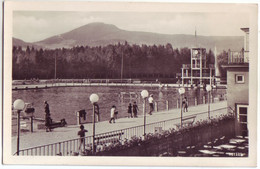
(150, 83)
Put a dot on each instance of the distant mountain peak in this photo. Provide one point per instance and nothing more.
(97, 26)
(101, 34)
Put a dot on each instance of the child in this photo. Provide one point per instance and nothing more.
(81, 134)
(112, 114)
(185, 104)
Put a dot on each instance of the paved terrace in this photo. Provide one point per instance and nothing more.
(42, 137)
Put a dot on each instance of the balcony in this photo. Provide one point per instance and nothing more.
(238, 57)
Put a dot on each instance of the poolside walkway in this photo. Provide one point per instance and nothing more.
(41, 137)
(50, 85)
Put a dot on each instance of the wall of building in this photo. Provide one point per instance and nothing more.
(237, 92)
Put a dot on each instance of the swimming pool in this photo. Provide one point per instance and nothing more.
(65, 101)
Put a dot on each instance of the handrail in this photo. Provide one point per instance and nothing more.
(65, 143)
(164, 120)
(51, 144)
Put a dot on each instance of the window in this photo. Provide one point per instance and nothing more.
(240, 79)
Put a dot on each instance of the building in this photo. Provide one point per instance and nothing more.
(238, 83)
(198, 72)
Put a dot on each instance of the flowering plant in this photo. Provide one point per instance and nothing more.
(151, 137)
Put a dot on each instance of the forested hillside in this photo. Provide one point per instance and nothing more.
(139, 61)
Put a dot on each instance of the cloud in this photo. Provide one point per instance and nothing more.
(29, 26)
(36, 26)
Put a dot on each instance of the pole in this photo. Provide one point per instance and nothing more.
(209, 104)
(18, 131)
(122, 65)
(78, 118)
(31, 124)
(144, 115)
(156, 106)
(55, 67)
(181, 110)
(210, 79)
(93, 148)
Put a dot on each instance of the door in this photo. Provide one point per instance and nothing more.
(242, 111)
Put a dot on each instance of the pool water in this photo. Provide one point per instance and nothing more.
(65, 101)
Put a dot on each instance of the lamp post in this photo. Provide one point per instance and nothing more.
(55, 70)
(93, 99)
(181, 92)
(144, 95)
(122, 67)
(18, 105)
(208, 88)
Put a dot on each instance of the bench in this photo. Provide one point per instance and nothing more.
(187, 121)
(62, 123)
(109, 138)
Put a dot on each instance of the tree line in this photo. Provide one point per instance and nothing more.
(83, 62)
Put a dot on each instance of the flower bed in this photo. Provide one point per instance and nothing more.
(170, 142)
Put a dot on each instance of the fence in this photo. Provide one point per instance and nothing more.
(170, 104)
(158, 105)
(69, 147)
(36, 84)
(235, 57)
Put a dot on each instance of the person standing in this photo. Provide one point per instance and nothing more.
(150, 100)
(46, 108)
(81, 135)
(135, 109)
(48, 119)
(130, 111)
(116, 113)
(112, 114)
(96, 109)
(185, 104)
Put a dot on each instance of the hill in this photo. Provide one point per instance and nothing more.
(100, 34)
(23, 44)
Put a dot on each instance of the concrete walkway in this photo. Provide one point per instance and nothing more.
(49, 85)
(38, 138)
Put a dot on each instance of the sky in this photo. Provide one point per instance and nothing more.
(32, 26)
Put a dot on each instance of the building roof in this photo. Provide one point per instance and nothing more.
(241, 65)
